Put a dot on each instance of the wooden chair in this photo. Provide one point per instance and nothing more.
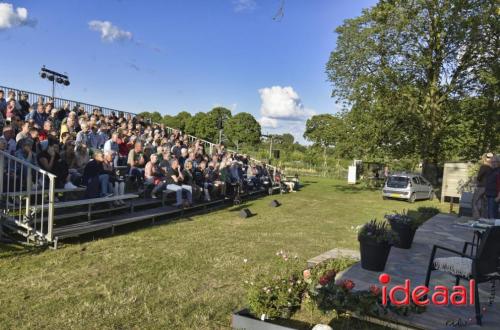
(481, 266)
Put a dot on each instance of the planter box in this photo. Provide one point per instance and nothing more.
(244, 320)
(373, 255)
(405, 233)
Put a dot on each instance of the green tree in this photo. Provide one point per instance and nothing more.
(213, 117)
(416, 60)
(182, 118)
(323, 130)
(171, 121)
(155, 117)
(242, 128)
(194, 125)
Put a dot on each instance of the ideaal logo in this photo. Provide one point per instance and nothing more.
(459, 295)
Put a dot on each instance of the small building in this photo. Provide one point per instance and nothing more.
(456, 177)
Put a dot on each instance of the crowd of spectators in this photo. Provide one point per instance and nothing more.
(108, 154)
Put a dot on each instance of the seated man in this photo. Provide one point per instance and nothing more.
(203, 178)
(116, 183)
(153, 175)
(136, 162)
(175, 182)
(95, 178)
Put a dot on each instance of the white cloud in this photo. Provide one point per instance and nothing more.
(109, 32)
(10, 18)
(244, 5)
(283, 112)
(282, 103)
(268, 122)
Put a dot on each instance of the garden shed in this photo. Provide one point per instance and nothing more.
(455, 178)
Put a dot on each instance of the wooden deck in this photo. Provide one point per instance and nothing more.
(412, 264)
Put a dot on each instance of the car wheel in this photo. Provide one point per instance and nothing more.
(412, 198)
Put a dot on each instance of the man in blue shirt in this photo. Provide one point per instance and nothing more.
(38, 116)
(3, 102)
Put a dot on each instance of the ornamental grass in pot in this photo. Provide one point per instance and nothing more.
(375, 241)
(404, 226)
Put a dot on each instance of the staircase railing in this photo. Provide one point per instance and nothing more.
(23, 186)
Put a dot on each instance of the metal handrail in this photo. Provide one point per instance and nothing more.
(25, 163)
(22, 188)
(58, 102)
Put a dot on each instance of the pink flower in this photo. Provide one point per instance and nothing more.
(375, 290)
(307, 274)
(348, 284)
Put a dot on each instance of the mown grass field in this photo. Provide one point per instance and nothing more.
(186, 274)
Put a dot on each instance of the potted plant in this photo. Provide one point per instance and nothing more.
(404, 226)
(375, 241)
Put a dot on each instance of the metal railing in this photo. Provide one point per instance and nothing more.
(26, 199)
(59, 102)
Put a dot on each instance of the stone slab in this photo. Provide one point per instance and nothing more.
(333, 254)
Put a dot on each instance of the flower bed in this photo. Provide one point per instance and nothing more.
(274, 299)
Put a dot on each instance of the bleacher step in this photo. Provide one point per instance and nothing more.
(85, 227)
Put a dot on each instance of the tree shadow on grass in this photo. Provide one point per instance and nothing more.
(10, 250)
(351, 189)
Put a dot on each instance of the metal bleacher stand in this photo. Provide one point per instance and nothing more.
(28, 194)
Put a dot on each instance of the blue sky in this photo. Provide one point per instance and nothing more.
(170, 56)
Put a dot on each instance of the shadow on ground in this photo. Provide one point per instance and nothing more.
(351, 189)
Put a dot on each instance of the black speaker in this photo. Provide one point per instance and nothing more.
(245, 213)
(274, 203)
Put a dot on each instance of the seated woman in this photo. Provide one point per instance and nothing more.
(203, 179)
(95, 178)
(116, 184)
(188, 174)
(175, 182)
(50, 160)
(153, 175)
(81, 159)
(224, 177)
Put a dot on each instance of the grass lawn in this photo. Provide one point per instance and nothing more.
(186, 274)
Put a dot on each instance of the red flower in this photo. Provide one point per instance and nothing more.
(348, 284)
(375, 290)
(324, 280)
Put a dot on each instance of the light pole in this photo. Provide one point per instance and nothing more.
(54, 77)
(269, 136)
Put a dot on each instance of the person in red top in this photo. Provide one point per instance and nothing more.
(44, 133)
(11, 109)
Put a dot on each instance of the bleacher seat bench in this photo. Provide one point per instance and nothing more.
(89, 202)
(164, 195)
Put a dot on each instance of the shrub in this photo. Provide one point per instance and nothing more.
(377, 231)
(279, 296)
(402, 218)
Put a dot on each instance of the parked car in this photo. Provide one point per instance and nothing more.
(407, 186)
